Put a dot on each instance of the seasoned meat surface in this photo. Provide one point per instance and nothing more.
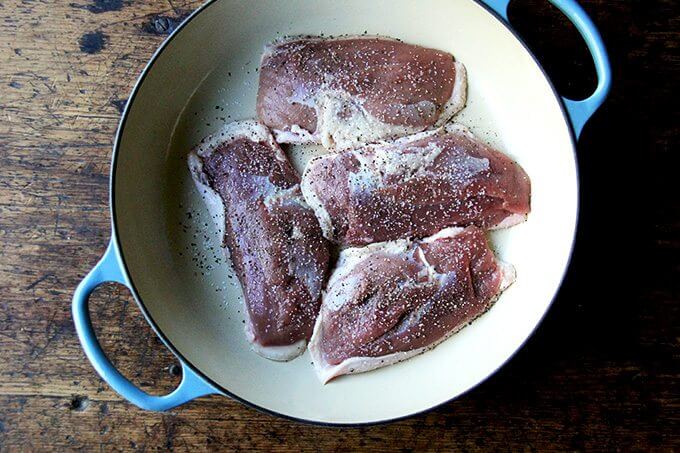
(387, 302)
(273, 238)
(414, 187)
(346, 91)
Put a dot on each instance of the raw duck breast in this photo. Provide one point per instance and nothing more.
(414, 187)
(342, 92)
(387, 302)
(272, 236)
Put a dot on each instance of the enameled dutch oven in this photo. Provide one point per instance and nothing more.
(163, 245)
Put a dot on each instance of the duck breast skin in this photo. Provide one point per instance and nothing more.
(271, 235)
(390, 301)
(342, 92)
(414, 187)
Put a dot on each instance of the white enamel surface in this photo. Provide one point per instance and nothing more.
(510, 105)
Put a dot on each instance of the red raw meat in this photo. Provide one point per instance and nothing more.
(414, 187)
(387, 302)
(274, 240)
(342, 92)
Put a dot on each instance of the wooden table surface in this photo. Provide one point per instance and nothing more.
(600, 373)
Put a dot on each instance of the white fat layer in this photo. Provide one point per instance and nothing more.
(346, 264)
(509, 275)
(211, 198)
(280, 353)
(343, 123)
(248, 129)
(428, 270)
(458, 96)
(509, 221)
(459, 129)
(254, 131)
(445, 233)
(314, 202)
(296, 135)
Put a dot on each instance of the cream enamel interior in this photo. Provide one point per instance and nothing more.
(207, 76)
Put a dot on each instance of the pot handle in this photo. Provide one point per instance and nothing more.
(579, 111)
(108, 270)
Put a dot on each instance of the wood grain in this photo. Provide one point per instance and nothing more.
(600, 373)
